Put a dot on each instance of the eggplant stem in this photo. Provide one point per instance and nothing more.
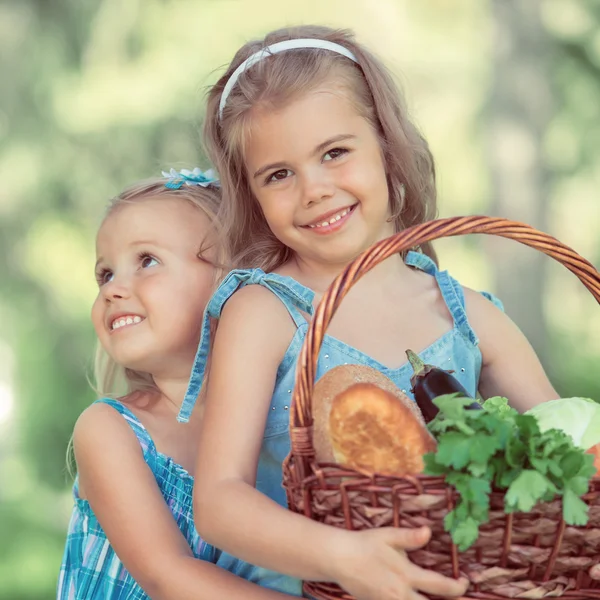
(417, 364)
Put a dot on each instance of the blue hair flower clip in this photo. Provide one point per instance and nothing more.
(176, 179)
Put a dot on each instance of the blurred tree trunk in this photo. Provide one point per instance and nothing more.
(520, 108)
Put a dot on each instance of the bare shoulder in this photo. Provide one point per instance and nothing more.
(255, 301)
(505, 350)
(480, 309)
(491, 325)
(255, 312)
(101, 429)
(96, 421)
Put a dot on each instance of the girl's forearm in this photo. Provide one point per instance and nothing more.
(187, 578)
(245, 523)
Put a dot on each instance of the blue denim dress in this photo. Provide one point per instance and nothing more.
(456, 350)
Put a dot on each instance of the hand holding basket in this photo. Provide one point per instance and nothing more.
(526, 555)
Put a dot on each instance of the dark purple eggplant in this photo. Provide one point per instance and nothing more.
(428, 382)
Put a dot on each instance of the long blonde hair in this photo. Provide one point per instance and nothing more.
(275, 81)
(111, 380)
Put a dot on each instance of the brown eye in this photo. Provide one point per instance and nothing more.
(334, 153)
(103, 276)
(147, 260)
(279, 175)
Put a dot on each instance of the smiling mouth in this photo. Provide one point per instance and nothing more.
(125, 321)
(333, 219)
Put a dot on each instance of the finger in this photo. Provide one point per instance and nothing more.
(436, 584)
(407, 539)
(416, 596)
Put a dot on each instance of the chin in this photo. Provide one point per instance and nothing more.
(133, 362)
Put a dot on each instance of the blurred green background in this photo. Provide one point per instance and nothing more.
(97, 94)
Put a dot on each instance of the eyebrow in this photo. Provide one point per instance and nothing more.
(138, 243)
(332, 140)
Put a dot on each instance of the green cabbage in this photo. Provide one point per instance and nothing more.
(577, 417)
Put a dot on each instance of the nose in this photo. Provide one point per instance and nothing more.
(115, 289)
(318, 186)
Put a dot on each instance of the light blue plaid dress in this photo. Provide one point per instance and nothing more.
(90, 569)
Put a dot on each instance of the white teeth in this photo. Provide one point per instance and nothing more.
(332, 220)
(129, 320)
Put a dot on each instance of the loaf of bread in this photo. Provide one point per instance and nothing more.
(373, 431)
(374, 426)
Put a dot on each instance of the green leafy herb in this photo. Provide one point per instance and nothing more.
(498, 448)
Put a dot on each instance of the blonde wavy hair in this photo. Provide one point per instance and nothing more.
(111, 380)
(276, 81)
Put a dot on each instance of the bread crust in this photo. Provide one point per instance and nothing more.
(363, 420)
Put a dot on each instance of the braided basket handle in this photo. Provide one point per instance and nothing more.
(300, 414)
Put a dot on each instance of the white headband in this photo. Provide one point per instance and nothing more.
(275, 49)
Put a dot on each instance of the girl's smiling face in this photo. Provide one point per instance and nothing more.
(317, 170)
(153, 288)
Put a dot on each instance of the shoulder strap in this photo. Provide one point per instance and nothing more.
(450, 289)
(141, 433)
(421, 261)
(494, 300)
(293, 295)
(452, 293)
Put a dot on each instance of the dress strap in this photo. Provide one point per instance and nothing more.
(295, 297)
(451, 291)
(141, 433)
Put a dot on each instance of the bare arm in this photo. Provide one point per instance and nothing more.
(510, 366)
(251, 339)
(125, 498)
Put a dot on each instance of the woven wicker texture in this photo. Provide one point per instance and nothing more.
(523, 555)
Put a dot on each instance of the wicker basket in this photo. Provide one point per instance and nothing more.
(522, 555)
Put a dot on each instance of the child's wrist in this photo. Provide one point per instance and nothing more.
(335, 552)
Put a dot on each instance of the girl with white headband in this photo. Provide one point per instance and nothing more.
(318, 161)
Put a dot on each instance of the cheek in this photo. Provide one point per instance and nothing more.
(197, 290)
(97, 315)
(277, 208)
(368, 183)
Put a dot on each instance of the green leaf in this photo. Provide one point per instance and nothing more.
(465, 534)
(575, 510)
(453, 450)
(479, 470)
(526, 490)
(472, 489)
(483, 447)
(578, 485)
(588, 468)
(453, 407)
(555, 470)
(432, 467)
(449, 520)
(507, 477)
(543, 465)
(528, 426)
(516, 451)
(571, 463)
(499, 407)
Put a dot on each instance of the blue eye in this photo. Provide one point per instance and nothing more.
(334, 153)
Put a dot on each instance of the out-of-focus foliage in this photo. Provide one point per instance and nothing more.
(96, 95)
